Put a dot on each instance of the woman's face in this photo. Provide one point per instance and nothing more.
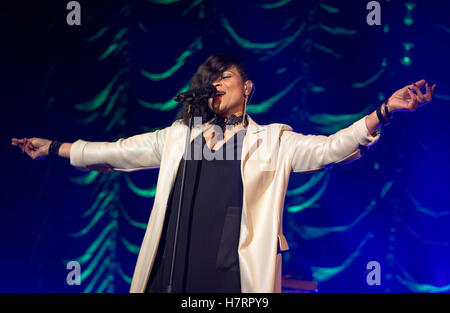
(232, 101)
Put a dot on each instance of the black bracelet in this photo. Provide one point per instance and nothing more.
(388, 114)
(380, 116)
(54, 148)
(384, 120)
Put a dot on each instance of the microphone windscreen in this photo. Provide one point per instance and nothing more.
(211, 90)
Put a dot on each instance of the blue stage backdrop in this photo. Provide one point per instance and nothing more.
(317, 66)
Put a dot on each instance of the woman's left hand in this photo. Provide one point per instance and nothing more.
(406, 100)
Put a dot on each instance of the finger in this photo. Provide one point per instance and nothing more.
(18, 140)
(16, 143)
(428, 95)
(22, 142)
(29, 149)
(427, 86)
(30, 144)
(412, 95)
(419, 94)
(413, 102)
(419, 83)
(428, 89)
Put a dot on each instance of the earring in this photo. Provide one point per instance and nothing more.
(245, 111)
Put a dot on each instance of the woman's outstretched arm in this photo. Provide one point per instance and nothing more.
(310, 153)
(138, 152)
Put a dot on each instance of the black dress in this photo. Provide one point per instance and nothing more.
(207, 249)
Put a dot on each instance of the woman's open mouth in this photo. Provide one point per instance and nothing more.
(219, 94)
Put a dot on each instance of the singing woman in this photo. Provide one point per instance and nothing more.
(229, 234)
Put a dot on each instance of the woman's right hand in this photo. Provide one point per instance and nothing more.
(36, 148)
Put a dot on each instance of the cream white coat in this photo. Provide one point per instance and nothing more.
(269, 154)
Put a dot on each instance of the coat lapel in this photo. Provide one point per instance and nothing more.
(254, 138)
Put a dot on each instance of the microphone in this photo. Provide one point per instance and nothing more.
(207, 91)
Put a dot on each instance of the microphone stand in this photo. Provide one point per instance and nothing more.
(170, 286)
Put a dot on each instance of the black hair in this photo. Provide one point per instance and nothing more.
(206, 74)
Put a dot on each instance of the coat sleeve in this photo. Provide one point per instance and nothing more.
(126, 154)
(310, 153)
